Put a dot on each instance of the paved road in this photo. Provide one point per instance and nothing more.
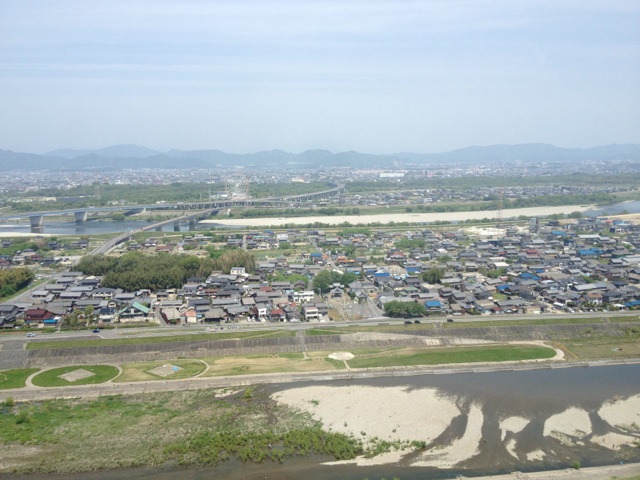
(196, 330)
(94, 391)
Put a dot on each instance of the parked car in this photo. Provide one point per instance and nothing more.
(407, 322)
(416, 321)
(31, 334)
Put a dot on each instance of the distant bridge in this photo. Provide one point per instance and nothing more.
(82, 213)
(123, 237)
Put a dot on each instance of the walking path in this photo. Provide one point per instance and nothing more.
(32, 393)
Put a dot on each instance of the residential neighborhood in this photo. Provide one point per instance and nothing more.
(583, 264)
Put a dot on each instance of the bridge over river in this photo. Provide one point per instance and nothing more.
(82, 213)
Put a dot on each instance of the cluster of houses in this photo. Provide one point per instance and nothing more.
(40, 256)
(587, 264)
(218, 298)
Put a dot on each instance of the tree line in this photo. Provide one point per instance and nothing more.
(136, 271)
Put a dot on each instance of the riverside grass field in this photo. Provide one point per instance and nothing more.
(53, 435)
(277, 363)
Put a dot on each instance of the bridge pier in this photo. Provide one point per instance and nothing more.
(192, 222)
(36, 221)
(176, 226)
(81, 217)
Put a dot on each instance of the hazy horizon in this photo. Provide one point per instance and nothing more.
(164, 151)
(371, 76)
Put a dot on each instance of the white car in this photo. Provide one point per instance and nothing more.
(31, 335)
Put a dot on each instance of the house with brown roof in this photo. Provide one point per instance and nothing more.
(35, 316)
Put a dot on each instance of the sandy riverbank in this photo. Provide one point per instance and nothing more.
(454, 427)
(23, 234)
(617, 472)
(396, 217)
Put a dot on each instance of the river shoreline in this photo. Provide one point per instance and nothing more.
(477, 425)
(397, 217)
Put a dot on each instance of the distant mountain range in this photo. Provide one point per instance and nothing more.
(132, 156)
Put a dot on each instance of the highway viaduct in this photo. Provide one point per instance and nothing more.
(81, 214)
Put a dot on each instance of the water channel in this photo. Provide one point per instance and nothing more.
(95, 227)
(533, 394)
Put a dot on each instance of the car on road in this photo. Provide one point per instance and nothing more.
(31, 335)
(408, 322)
(96, 330)
(449, 319)
(416, 321)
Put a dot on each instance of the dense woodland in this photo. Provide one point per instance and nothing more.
(14, 279)
(136, 271)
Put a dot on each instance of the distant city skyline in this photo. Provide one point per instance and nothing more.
(372, 76)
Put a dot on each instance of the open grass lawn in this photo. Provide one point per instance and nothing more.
(140, 372)
(603, 347)
(15, 378)
(186, 427)
(269, 363)
(52, 378)
(409, 357)
(46, 344)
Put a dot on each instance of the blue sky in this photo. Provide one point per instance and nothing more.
(373, 76)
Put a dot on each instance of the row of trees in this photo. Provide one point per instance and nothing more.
(325, 279)
(298, 212)
(135, 271)
(14, 279)
(395, 308)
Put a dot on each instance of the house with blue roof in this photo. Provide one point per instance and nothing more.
(433, 305)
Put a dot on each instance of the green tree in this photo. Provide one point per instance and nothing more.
(396, 308)
(347, 278)
(433, 275)
(322, 281)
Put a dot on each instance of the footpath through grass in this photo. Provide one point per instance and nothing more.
(270, 363)
(15, 378)
(47, 344)
(603, 347)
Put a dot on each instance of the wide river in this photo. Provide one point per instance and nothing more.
(534, 394)
(95, 227)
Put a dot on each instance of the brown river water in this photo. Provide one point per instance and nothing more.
(534, 394)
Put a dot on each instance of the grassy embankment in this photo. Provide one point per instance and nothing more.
(189, 427)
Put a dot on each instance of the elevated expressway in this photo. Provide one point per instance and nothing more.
(82, 213)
